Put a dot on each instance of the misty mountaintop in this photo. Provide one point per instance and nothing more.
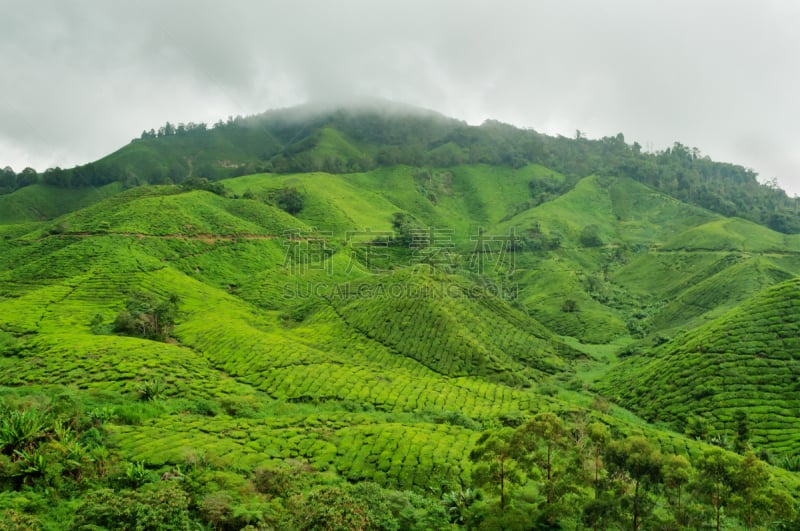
(363, 135)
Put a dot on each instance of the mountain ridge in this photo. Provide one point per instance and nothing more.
(366, 136)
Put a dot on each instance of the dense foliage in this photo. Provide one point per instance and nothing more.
(308, 139)
(559, 472)
(147, 317)
(428, 346)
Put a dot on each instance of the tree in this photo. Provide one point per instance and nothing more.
(715, 470)
(496, 464)
(147, 317)
(750, 481)
(539, 438)
(602, 510)
(569, 306)
(599, 435)
(8, 180)
(636, 461)
(27, 177)
(677, 471)
(742, 438)
(403, 225)
(289, 200)
(55, 177)
(590, 236)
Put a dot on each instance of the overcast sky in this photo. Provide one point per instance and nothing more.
(81, 78)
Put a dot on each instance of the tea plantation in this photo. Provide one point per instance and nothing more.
(357, 332)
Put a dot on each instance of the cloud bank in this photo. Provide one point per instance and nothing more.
(83, 78)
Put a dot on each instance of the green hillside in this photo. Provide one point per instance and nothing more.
(452, 328)
(373, 134)
(41, 203)
(744, 360)
(170, 210)
(733, 235)
(367, 313)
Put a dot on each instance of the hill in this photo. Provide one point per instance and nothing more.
(362, 136)
(742, 361)
(41, 202)
(399, 305)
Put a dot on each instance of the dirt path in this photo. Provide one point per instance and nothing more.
(208, 238)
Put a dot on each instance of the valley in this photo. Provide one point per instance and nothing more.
(341, 317)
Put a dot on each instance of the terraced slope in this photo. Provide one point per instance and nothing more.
(287, 348)
(624, 211)
(41, 203)
(734, 235)
(169, 210)
(745, 360)
(452, 326)
(59, 295)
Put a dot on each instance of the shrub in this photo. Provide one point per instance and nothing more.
(590, 236)
(136, 475)
(201, 183)
(96, 324)
(147, 317)
(22, 430)
(569, 306)
(276, 481)
(702, 391)
(217, 509)
(240, 406)
(329, 508)
(16, 521)
(457, 502)
(457, 418)
(100, 415)
(288, 199)
(204, 407)
(151, 389)
(164, 507)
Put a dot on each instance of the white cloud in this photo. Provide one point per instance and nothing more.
(82, 78)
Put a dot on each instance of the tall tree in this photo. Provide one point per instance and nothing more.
(750, 481)
(8, 179)
(496, 467)
(27, 177)
(677, 472)
(716, 472)
(539, 440)
(639, 463)
(599, 435)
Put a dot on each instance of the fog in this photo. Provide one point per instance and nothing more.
(83, 78)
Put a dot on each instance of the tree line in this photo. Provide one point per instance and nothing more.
(545, 472)
(10, 180)
(278, 142)
(552, 471)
